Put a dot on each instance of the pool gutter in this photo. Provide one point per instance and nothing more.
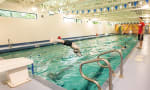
(36, 44)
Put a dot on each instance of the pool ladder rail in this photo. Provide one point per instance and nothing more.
(111, 72)
(94, 81)
(121, 63)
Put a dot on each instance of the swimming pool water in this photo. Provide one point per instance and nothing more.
(58, 63)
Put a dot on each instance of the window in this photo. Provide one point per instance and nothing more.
(96, 22)
(16, 14)
(72, 20)
(5, 13)
(79, 21)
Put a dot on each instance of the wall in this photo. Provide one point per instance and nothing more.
(27, 30)
(126, 28)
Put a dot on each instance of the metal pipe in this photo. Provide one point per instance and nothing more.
(121, 64)
(91, 80)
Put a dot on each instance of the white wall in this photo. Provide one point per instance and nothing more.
(26, 30)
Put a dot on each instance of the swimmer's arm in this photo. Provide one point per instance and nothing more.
(78, 54)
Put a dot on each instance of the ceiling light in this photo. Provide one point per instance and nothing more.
(61, 4)
(140, 2)
(145, 6)
(112, 8)
(34, 9)
(43, 10)
(120, 6)
(147, 15)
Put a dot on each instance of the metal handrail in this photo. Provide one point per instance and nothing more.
(9, 43)
(121, 64)
(89, 79)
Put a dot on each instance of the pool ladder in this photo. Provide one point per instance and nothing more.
(94, 81)
(121, 62)
(108, 66)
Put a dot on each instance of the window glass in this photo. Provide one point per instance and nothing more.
(5, 13)
(16, 14)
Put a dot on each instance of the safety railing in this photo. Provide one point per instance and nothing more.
(121, 64)
(94, 81)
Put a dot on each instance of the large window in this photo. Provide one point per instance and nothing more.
(5, 13)
(15, 14)
(71, 20)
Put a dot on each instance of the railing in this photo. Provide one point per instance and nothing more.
(9, 43)
(121, 65)
(89, 79)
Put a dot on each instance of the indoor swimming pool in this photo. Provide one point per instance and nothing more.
(58, 63)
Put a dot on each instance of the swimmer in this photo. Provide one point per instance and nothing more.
(122, 47)
(75, 48)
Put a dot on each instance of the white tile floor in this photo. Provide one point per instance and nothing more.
(37, 83)
(32, 85)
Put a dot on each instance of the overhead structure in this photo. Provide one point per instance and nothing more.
(106, 10)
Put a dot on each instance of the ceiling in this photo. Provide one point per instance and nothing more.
(129, 14)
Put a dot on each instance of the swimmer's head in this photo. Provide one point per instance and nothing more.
(76, 50)
(125, 46)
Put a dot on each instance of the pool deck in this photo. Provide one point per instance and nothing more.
(136, 70)
(37, 83)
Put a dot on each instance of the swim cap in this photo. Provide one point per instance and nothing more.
(59, 37)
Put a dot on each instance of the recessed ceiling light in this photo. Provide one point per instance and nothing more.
(140, 2)
(61, 4)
